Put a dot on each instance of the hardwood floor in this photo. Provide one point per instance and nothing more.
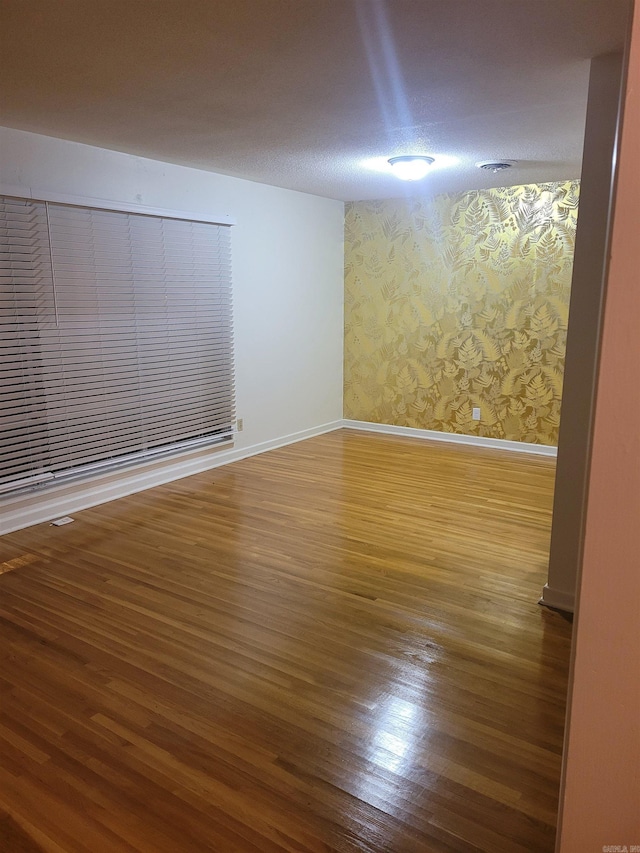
(334, 646)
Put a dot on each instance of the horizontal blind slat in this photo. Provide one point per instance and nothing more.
(126, 344)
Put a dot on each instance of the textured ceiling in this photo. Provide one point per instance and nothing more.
(302, 93)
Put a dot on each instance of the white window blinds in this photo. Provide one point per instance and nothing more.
(116, 338)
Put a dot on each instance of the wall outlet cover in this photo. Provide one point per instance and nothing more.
(476, 413)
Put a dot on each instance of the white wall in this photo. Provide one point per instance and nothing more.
(287, 273)
(591, 261)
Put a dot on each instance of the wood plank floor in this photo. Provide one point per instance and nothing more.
(334, 646)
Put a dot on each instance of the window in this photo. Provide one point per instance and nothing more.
(116, 338)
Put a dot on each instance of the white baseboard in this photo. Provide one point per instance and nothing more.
(557, 599)
(37, 507)
(454, 438)
(32, 508)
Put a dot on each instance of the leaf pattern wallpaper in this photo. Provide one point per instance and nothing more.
(459, 302)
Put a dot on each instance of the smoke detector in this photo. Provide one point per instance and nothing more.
(495, 166)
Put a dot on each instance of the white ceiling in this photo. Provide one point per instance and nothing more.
(301, 93)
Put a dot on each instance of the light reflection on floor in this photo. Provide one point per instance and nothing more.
(398, 737)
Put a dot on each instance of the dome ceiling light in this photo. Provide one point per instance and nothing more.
(410, 167)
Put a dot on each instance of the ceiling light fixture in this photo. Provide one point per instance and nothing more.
(411, 167)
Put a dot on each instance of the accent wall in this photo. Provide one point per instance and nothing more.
(460, 302)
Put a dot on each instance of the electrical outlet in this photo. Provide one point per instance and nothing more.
(476, 413)
(239, 424)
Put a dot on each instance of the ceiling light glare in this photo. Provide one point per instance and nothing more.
(410, 167)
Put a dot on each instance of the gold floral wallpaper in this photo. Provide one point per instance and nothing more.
(460, 302)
